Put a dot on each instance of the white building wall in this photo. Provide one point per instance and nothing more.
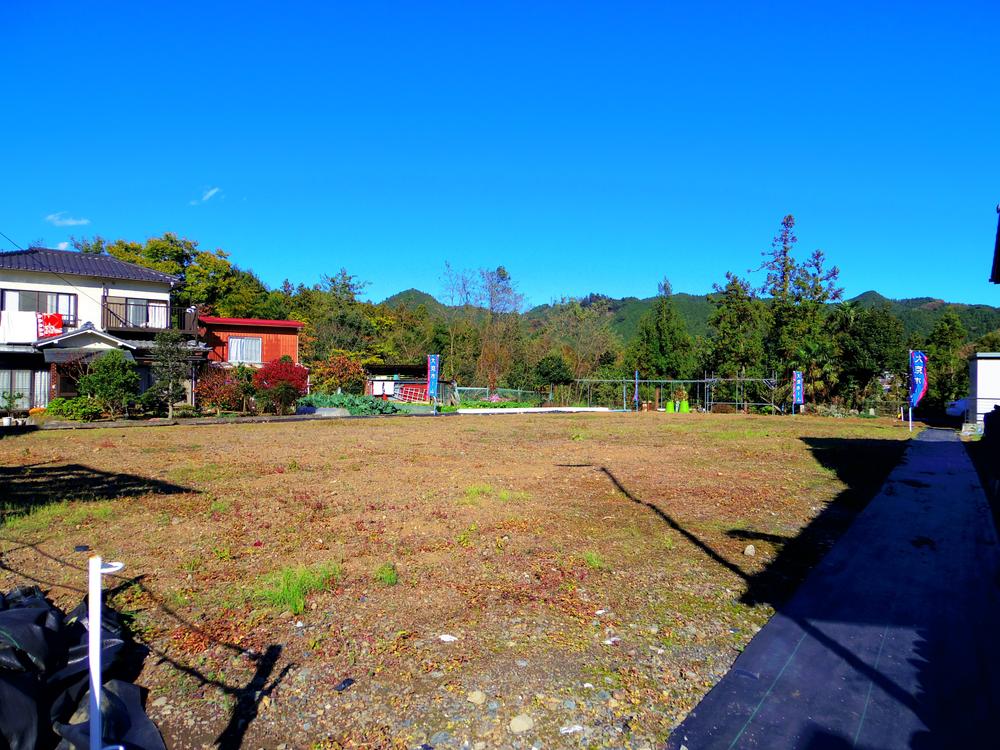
(984, 385)
(88, 291)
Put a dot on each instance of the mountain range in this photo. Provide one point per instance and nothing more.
(918, 314)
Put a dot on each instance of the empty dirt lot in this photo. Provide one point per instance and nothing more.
(589, 571)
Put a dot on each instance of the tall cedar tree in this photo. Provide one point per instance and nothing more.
(739, 323)
(662, 346)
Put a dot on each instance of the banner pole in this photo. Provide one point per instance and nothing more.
(911, 419)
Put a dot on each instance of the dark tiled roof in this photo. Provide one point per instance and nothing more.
(72, 263)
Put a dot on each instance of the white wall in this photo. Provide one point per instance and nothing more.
(984, 385)
(88, 291)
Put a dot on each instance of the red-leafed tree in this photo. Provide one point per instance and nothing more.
(218, 389)
(280, 382)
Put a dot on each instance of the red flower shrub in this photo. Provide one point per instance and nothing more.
(280, 382)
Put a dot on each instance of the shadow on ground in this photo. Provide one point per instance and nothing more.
(825, 629)
(31, 486)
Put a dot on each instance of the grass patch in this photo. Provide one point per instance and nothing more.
(287, 588)
(387, 575)
(594, 561)
(476, 491)
(219, 506)
(66, 512)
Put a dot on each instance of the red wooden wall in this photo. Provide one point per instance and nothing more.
(275, 342)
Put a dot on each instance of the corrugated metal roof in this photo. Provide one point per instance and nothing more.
(72, 263)
(250, 322)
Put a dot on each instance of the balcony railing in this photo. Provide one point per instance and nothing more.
(146, 315)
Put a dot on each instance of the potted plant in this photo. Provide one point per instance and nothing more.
(680, 396)
(10, 400)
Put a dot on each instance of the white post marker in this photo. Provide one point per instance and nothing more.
(95, 570)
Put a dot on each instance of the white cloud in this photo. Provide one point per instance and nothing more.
(62, 220)
(62, 246)
(206, 196)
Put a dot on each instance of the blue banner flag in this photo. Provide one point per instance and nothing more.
(432, 375)
(918, 377)
(798, 390)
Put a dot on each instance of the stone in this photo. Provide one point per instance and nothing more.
(493, 706)
(569, 704)
(603, 695)
(476, 697)
(750, 551)
(521, 662)
(440, 738)
(160, 702)
(521, 723)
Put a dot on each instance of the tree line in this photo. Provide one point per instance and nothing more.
(793, 318)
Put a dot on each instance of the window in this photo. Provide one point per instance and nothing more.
(17, 382)
(44, 302)
(245, 350)
(145, 313)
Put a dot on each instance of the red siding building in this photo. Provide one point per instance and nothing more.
(248, 340)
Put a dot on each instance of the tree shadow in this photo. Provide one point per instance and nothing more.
(863, 465)
(31, 486)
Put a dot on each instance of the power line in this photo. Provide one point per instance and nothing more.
(11, 241)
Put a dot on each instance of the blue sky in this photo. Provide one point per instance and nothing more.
(586, 147)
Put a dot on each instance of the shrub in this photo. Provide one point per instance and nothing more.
(280, 382)
(112, 381)
(80, 409)
(339, 371)
(218, 389)
(356, 405)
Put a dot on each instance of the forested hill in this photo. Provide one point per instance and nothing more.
(918, 314)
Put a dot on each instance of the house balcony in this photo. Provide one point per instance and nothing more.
(146, 315)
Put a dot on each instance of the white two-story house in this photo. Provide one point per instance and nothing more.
(60, 309)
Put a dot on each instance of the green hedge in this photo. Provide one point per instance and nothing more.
(356, 405)
(80, 409)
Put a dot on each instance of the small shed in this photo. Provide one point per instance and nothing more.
(984, 385)
(249, 341)
(399, 382)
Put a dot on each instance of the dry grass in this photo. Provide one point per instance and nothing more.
(509, 532)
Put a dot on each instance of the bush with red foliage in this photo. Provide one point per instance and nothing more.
(280, 382)
(218, 389)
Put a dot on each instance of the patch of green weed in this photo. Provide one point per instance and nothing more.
(287, 588)
(387, 575)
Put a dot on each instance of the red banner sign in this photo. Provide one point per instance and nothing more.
(49, 324)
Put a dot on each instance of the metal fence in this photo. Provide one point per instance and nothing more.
(466, 394)
(703, 394)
